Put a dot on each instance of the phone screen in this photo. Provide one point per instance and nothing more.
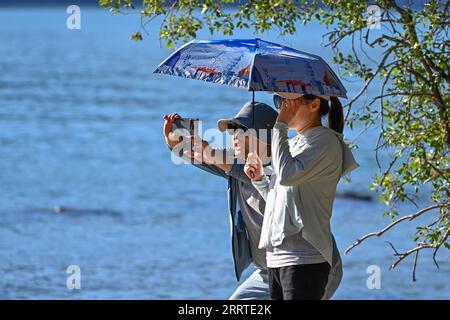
(186, 127)
(189, 125)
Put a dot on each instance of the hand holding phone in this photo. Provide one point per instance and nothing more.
(186, 126)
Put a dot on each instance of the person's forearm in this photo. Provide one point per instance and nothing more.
(289, 169)
(222, 161)
(217, 157)
(210, 168)
(224, 167)
(280, 146)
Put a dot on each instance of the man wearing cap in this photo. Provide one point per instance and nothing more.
(252, 125)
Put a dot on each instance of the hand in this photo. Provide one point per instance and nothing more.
(201, 151)
(171, 139)
(288, 108)
(253, 167)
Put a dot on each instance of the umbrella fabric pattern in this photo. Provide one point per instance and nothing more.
(255, 65)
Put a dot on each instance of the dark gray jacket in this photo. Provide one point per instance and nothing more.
(240, 244)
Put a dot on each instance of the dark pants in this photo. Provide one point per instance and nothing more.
(299, 282)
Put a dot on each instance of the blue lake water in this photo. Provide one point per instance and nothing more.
(80, 127)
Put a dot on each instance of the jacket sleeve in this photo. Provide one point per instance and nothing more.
(237, 172)
(263, 186)
(237, 169)
(314, 162)
(210, 168)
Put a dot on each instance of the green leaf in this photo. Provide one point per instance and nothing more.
(137, 36)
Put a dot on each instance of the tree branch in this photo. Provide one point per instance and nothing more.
(384, 230)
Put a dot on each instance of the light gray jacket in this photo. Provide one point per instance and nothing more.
(300, 190)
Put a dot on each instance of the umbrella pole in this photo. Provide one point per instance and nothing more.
(252, 175)
(253, 109)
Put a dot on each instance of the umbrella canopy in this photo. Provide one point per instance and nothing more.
(255, 65)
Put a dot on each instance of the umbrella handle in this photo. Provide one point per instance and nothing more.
(253, 109)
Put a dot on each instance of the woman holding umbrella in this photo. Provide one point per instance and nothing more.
(300, 248)
(302, 255)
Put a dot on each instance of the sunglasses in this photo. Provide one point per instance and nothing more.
(277, 100)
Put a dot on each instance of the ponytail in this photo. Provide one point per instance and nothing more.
(334, 111)
(336, 115)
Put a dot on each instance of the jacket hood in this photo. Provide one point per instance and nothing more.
(348, 160)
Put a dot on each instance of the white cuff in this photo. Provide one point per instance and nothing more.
(261, 183)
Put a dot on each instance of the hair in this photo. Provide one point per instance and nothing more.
(334, 111)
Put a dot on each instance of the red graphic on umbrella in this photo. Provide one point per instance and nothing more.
(208, 70)
(328, 79)
(296, 82)
(245, 72)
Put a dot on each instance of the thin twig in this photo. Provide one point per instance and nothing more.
(415, 266)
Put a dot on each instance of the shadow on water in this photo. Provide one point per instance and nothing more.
(70, 211)
(351, 195)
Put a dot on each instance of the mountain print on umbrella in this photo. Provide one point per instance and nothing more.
(255, 65)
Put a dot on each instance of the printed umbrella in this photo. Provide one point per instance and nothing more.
(255, 65)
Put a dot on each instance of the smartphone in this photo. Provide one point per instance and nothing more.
(184, 127)
(189, 124)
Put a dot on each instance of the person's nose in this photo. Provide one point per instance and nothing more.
(236, 138)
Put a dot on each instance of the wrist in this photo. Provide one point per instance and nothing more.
(212, 153)
(170, 143)
(261, 180)
(257, 179)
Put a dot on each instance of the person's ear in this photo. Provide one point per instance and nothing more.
(315, 105)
